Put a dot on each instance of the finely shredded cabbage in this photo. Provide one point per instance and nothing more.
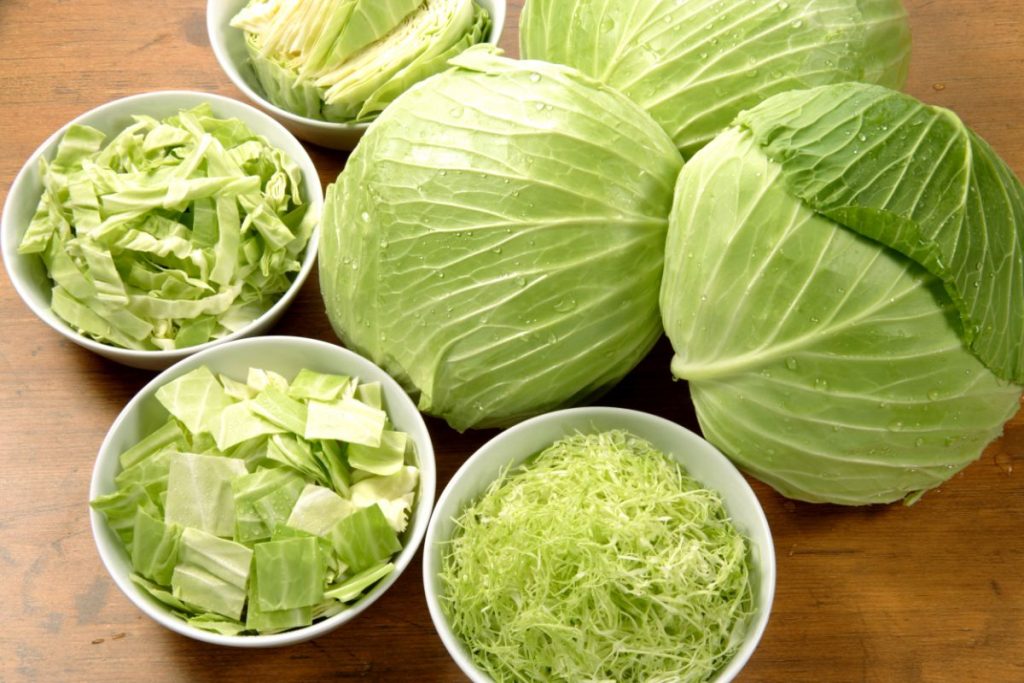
(600, 559)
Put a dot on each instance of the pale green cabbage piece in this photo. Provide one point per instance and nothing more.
(600, 559)
(290, 574)
(346, 420)
(199, 492)
(354, 586)
(323, 387)
(384, 459)
(166, 436)
(280, 409)
(164, 596)
(273, 621)
(195, 399)
(229, 476)
(823, 362)
(346, 60)
(155, 547)
(694, 65)
(495, 241)
(393, 494)
(296, 453)
(151, 473)
(121, 506)
(212, 573)
(216, 623)
(363, 539)
(177, 232)
(329, 455)
(264, 500)
(318, 509)
(238, 423)
(370, 394)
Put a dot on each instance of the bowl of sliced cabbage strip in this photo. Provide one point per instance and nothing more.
(294, 536)
(181, 266)
(379, 68)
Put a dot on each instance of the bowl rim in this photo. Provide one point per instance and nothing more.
(416, 532)
(762, 532)
(234, 74)
(20, 186)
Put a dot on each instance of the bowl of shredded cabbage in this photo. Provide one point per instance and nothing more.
(161, 224)
(262, 492)
(326, 68)
(599, 544)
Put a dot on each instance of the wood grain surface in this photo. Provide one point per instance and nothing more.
(934, 592)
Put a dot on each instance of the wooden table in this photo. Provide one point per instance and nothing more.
(928, 593)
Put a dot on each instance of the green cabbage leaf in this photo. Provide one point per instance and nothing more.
(915, 179)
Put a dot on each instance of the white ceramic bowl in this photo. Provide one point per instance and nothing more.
(285, 355)
(28, 273)
(229, 46)
(700, 458)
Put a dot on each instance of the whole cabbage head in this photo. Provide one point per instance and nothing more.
(495, 241)
(844, 291)
(695, 65)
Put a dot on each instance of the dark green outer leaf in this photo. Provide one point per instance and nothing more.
(825, 364)
(914, 178)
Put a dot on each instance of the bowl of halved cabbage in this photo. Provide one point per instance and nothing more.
(326, 68)
(262, 492)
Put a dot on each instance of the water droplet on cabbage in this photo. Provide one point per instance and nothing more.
(565, 305)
